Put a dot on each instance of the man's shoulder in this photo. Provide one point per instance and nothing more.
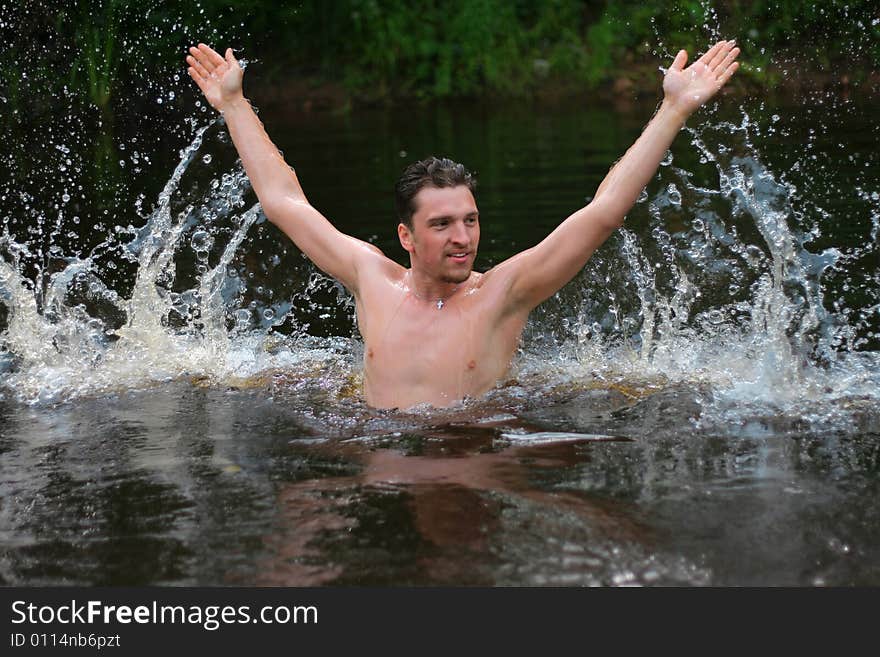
(378, 270)
(497, 288)
(499, 276)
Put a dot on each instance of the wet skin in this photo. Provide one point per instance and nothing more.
(415, 351)
(438, 332)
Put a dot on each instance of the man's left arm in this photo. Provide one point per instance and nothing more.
(539, 272)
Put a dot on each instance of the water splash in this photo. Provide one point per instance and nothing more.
(734, 301)
(56, 351)
(722, 289)
(719, 294)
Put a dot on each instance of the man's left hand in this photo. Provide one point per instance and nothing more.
(686, 89)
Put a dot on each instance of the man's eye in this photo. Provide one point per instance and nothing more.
(471, 220)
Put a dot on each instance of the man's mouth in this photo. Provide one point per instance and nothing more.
(459, 257)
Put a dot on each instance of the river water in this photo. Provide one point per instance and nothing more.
(180, 390)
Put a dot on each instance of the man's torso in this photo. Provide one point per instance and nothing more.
(415, 352)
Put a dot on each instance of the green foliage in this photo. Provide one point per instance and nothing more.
(97, 57)
(381, 49)
(426, 48)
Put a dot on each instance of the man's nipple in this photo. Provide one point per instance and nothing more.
(370, 352)
(471, 364)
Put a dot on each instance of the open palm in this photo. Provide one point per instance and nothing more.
(218, 78)
(688, 88)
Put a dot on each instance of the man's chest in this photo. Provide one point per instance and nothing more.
(415, 351)
(421, 343)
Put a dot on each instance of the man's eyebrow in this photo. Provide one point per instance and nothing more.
(475, 213)
(448, 217)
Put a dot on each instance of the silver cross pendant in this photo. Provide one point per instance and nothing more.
(439, 304)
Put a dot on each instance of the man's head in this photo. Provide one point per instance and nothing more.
(430, 172)
(439, 223)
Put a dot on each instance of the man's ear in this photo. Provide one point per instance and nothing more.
(406, 237)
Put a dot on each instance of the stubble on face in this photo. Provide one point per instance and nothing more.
(457, 279)
(436, 207)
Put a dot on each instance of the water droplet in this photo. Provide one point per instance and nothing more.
(206, 158)
(201, 240)
(715, 317)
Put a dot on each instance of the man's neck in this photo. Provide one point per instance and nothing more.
(429, 289)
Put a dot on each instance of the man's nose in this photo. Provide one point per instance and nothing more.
(460, 234)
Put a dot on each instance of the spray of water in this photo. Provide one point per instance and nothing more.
(768, 341)
(721, 293)
(732, 289)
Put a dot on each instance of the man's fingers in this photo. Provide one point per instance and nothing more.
(194, 63)
(230, 58)
(680, 60)
(727, 61)
(197, 79)
(202, 59)
(214, 58)
(710, 54)
(722, 80)
(720, 55)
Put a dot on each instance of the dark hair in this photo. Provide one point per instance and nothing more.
(430, 172)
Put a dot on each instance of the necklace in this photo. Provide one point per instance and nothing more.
(440, 301)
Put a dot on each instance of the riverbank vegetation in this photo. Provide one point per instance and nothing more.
(346, 52)
(385, 50)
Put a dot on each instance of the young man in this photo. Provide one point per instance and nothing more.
(439, 332)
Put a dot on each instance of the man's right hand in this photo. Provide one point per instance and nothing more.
(218, 78)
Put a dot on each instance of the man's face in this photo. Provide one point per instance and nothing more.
(445, 234)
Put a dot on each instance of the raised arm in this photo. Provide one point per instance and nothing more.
(539, 272)
(274, 182)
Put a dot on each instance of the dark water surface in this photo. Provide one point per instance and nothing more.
(658, 428)
(184, 485)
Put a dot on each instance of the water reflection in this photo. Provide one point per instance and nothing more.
(114, 491)
(429, 508)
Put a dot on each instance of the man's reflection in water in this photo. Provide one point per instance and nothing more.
(430, 515)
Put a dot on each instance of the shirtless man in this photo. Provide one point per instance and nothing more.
(439, 332)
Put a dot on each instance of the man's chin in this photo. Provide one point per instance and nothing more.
(457, 278)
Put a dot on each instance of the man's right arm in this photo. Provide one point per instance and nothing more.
(274, 182)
